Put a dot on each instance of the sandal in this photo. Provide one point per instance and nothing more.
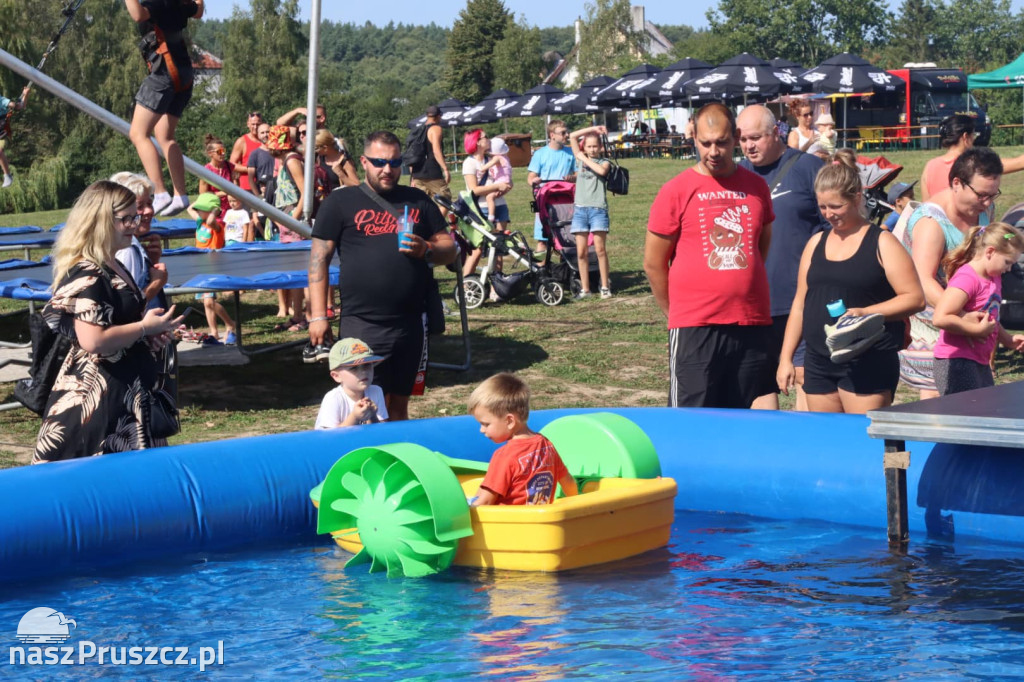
(330, 313)
(300, 326)
(287, 325)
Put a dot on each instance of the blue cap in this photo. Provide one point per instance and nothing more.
(836, 308)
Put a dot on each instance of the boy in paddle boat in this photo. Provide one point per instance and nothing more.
(526, 468)
(355, 400)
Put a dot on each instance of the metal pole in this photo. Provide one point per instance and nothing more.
(103, 116)
(311, 98)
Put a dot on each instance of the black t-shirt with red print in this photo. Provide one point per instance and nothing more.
(378, 283)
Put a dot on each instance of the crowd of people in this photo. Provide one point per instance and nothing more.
(770, 275)
(781, 282)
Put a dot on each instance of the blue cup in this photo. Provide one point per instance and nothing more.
(836, 308)
(403, 229)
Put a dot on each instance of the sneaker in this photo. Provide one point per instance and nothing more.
(8, 180)
(317, 353)
(582, 295)
(606, 292)
(211, 341)
(850, 329)
(230, 339)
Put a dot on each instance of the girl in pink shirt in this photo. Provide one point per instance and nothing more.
(968, 312)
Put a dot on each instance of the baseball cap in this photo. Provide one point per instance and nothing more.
(350, 352)
(432, 110)
(207, 201)
(898, 190)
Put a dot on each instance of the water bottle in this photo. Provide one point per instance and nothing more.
(836, 309)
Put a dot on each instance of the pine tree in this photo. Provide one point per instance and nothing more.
(469, 69)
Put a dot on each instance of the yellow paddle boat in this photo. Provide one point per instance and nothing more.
(402, 508)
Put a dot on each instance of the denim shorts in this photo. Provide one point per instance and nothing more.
(501, 211)
(589, 219)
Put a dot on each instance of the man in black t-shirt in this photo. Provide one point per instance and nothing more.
(383, 284)
(797, 218)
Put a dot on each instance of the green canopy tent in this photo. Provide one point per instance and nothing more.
(1009, 76)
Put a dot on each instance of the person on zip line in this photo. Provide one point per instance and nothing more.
(164, 93)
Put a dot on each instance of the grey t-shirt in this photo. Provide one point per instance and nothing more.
(590, 187)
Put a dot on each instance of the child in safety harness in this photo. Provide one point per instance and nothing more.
(164, 93)
(8, 107)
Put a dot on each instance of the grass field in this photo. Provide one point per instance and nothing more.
(588, 353)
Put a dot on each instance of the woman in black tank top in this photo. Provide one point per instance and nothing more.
(871, 272)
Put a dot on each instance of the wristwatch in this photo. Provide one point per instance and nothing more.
(428, 255)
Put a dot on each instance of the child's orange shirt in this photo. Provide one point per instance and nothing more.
(525, 471)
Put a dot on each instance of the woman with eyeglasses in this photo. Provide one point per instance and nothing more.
(935, 228)
(218, 164)
(100, 401)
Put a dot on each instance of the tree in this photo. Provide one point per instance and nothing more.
(910, 37)
(264, 59)
(805, 31)
(609, 44)
(469, 66)
(517, 57)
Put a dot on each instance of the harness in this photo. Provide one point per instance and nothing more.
(69, 11)
(155, 46)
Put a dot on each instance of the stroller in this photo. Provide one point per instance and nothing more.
(875, 174)
(553, 202)
(514, 250)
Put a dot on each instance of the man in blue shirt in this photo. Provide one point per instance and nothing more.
(790, 176)
(898, 197)
(551, 162)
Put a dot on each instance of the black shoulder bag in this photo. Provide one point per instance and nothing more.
(434, 305)
(617, 179)
(164, 418)
(49, 349)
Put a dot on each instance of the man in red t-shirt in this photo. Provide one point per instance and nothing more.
(707, 238)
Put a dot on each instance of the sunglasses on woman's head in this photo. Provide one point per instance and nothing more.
(380, 163)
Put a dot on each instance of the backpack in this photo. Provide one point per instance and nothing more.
(415, 154)
(49, 349)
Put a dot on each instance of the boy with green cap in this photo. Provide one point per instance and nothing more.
(355, 400)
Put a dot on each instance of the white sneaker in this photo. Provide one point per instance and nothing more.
(606, 292)
(8, 180)
(582, 295)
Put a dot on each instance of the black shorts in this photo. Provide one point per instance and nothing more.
(720, 365)
(874, 372)
(778, 336)
(157, 94)
(401, 343)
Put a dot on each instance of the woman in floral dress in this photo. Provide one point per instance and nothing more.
(100, 401)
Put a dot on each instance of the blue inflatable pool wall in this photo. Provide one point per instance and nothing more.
(69, 517)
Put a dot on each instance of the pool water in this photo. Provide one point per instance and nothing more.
(732, 596)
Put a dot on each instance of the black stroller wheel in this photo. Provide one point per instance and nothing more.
(575, 286)
(550, 292)
(474, 290)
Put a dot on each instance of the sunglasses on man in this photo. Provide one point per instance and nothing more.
(380, 163)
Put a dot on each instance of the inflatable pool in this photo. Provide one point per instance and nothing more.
(73, 518)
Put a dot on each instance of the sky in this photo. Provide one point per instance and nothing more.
(540, 13)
